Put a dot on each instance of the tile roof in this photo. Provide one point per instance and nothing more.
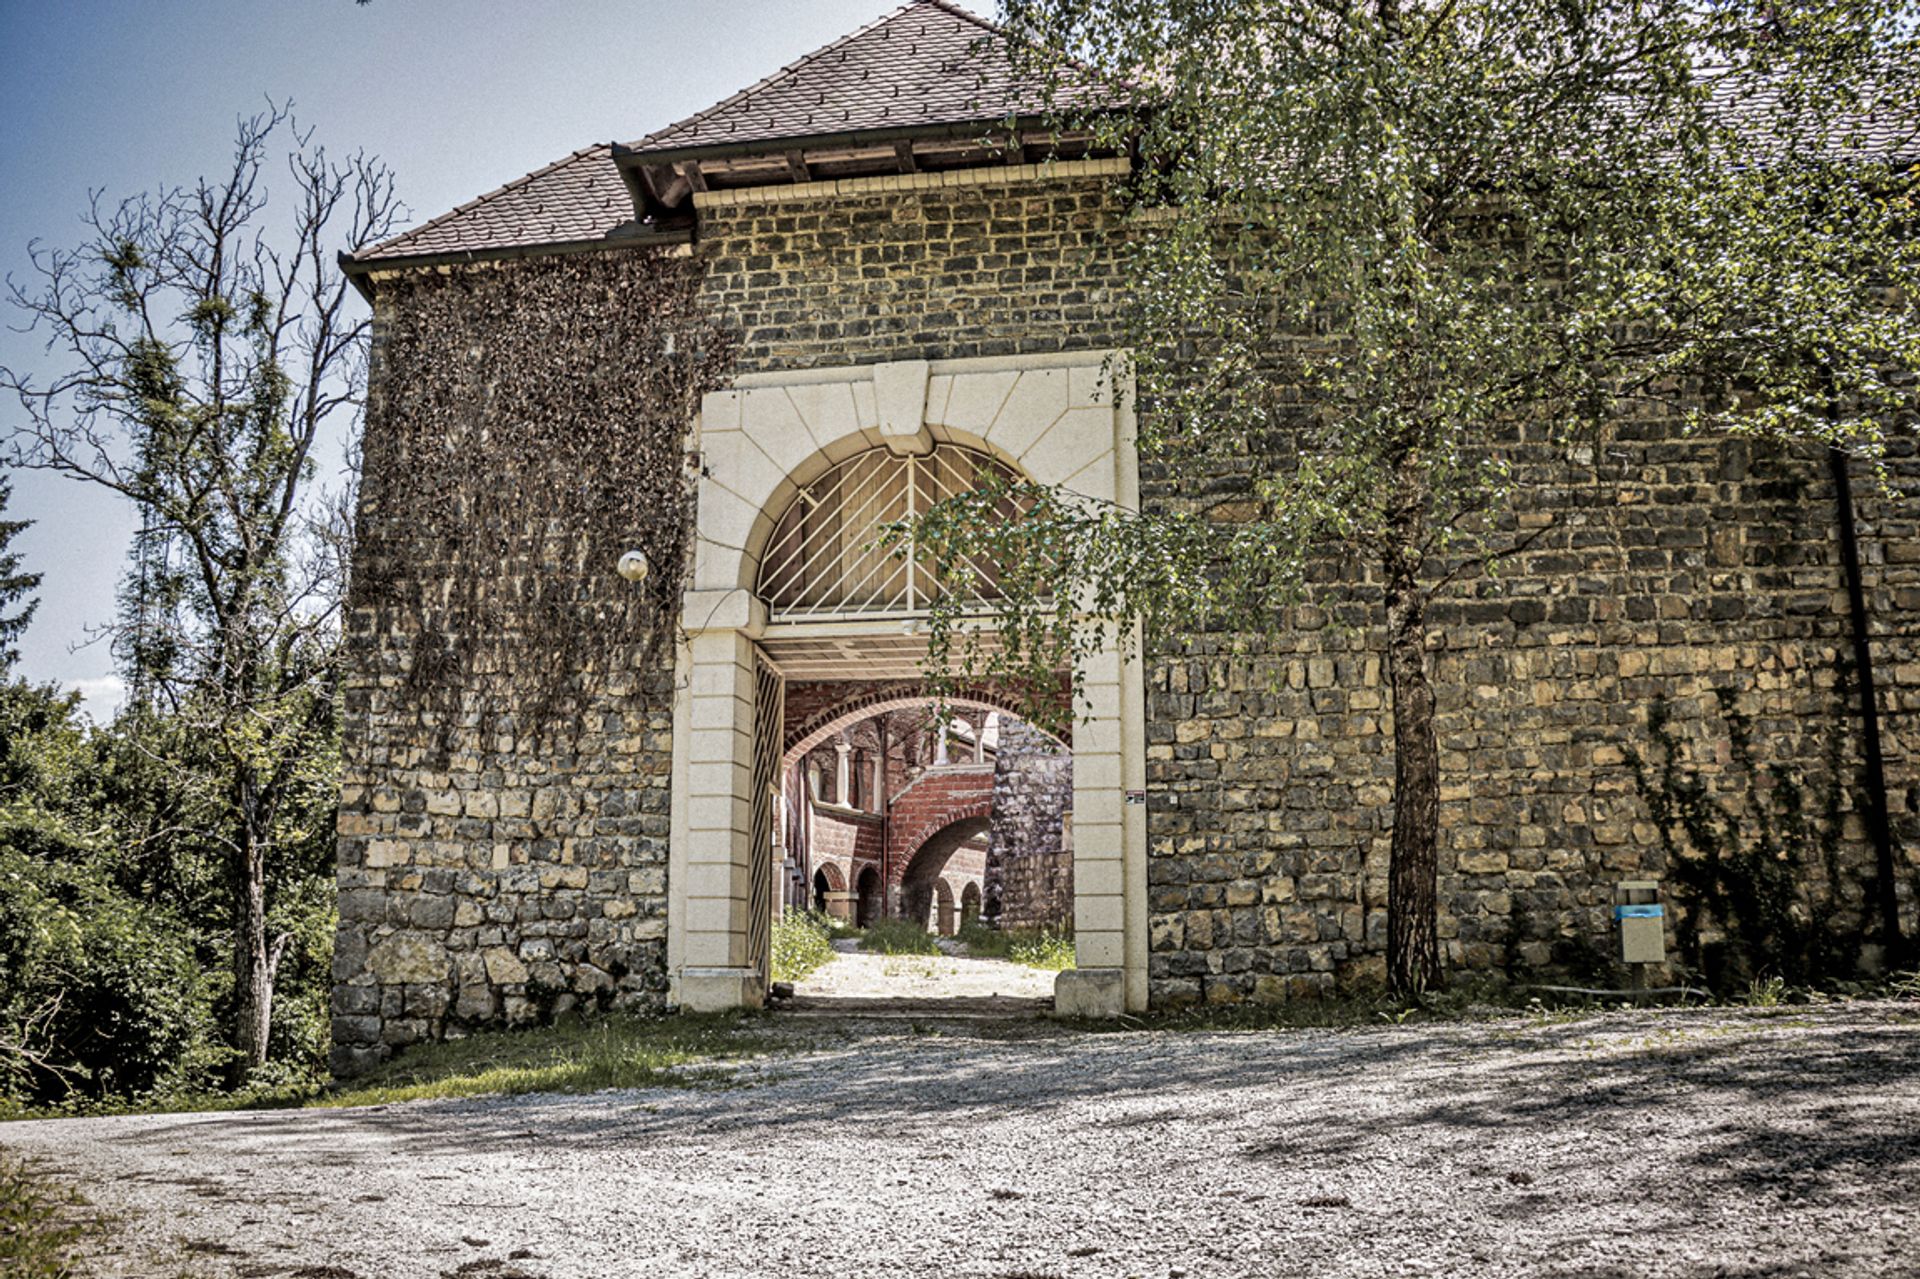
(582, 197)
(928, 63)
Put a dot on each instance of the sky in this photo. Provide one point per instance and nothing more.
(457, 96)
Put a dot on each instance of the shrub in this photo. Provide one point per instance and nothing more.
(801, 943)
(1043, 949)
(40, 1225)
(1047, 948)
(100, 995)
(898, 937)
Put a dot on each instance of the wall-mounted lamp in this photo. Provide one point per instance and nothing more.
(634, 566)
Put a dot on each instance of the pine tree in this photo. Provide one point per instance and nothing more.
(16, 608)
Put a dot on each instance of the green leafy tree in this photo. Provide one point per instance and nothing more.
(207, 347)
(1381, 249)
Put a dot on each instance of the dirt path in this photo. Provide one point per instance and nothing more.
(953, 974)
(1677, 1144)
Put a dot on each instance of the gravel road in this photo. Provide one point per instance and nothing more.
(1721, 1143)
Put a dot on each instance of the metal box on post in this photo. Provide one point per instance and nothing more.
(1640, 918)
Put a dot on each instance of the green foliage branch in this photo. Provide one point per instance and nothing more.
(1384, 254)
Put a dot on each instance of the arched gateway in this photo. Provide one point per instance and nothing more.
(798, 470)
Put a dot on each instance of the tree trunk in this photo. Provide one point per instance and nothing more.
(252, 964)
(1413, 945)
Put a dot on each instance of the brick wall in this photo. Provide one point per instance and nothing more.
(934, 801)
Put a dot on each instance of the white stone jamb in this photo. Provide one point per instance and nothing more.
(710, 874)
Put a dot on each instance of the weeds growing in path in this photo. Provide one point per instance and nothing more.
(41, 1225)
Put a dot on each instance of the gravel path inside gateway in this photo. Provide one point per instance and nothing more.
(953, 974)
(1695, 1144)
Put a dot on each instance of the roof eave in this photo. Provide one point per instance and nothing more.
(358, 270)
(627, 156)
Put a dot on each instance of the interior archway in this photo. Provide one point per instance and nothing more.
(866, 898)
(919, 881)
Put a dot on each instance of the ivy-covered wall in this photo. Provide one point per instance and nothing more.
(503, 826)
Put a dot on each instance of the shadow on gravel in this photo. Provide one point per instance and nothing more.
(1781, 1115)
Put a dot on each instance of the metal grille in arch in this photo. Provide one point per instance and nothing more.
(825, 557)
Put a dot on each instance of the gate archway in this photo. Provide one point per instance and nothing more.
(1057, 420)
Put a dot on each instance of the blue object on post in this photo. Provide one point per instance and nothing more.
(1639, 912)
(1639, 917)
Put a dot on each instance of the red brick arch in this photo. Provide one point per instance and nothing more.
(937, 799)
(893, 696)
(836, 882)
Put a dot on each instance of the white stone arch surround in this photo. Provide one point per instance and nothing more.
(1058, 420)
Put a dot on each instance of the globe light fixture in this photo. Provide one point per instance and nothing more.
(634, 566)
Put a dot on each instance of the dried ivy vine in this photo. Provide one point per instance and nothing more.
(529, 427)
(1759, 858)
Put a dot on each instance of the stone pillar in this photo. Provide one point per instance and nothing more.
(940, 746)
(717, 702)
(980, 740)
(841, 905)
(843, 772)
(1109, 853)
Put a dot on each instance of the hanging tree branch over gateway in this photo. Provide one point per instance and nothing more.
(1390, 248)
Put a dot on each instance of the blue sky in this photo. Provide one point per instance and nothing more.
(457, 96)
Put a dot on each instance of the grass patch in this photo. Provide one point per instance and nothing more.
(898, 937)
(802, 941)
(572, 1056)
(1043, 948)
(41, 1225)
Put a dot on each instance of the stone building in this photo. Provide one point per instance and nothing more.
(913, 281)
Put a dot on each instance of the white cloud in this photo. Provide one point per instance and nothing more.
(100, 698)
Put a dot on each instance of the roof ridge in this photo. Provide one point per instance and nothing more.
(958, 11)
(484, 198)
(808, 59)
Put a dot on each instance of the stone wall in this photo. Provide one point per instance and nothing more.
(1029, 861)
(485, 878)
(1683, 567)
(966, 271)
(1689, 567)
(503, 823)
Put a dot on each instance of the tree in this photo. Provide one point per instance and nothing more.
(16, 609)
(1394, 244)
(207, 349)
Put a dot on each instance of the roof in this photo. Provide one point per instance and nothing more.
(580, 198)
(927, 63)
